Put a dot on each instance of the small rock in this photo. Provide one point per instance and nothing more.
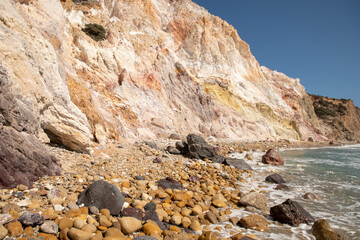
(255, 222)
(53, 193)
(58, 207)
(130, 224)
(208, 235)
(139, 177)
(169, 183)
(238, 163)
(72, 205)
(79, 223)
(5, 218)
(65, 223)
(254, 199)
(3, 232)
(49, 227)
(115, 233)
(176, 219)
(196, 210)
(175, 136)
(145, 238)
(311, 196)
(211, 217)
(104, 221)
(185, 222)
(275, 178)
(195, 226)
(282, 187)
(89, 228)
(76, 234)
(94, 210)
(31, 219)
(173, 150)
(45, 236)
(14, 228)
(133, 212)
(151, 228)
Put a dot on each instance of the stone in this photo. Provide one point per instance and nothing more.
(151, 228)
(173, 150)
(282, 187)
(219, 203)
(72, 205)
(254, 199)
(54, 192)
(105, 212)
(3, 232)
(144, 238)
(133, 212)
(194, 179)
(255, 222)
(176, 219)
(46, 236)
(185, 222)
(195, 225)
(65, 222)
(322, 231)
(169, 183)
(272, 157)
(104, 221)
(89, 228)
(138, 177)
(14, 228)
(113, 232)
(211, 217)
(94, 210)
(102, 194)
(130, 224)
(76, 234)
(175, 136)
(49, 227)
(311, 196)
(275, 178)
(208, 235)
(150, 206)
(5, 218)
(79, 223)
(290, 212)
(236, 236)
(196, 210)
(31, 219)
(234, 220)
(238, 163)
(28, 231)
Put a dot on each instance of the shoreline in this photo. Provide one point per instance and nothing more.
(119, 163)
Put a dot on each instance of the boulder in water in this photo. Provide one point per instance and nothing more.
(275, 178)
(322, 231)
(238, 163)
(291, 212)
(273, 158)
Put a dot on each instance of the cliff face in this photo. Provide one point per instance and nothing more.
(165, 66)
(340, 118)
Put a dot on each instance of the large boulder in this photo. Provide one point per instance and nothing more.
(102, 194)
(275, 178)
(322, 231)
(23, 159)
(291, 212)
(254, 199)
(273, 158)
(238, 163)
(198, 148)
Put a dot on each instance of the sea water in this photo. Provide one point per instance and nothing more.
(331, 173)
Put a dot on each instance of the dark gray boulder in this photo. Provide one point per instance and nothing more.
(275, 178)
(102, 194)
(291, 212)
(238, 163)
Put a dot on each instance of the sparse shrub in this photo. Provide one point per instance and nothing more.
(95, 31)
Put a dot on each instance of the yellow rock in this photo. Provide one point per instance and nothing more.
(14, 228)
(219, 203)
(151, 228)
(195, 226)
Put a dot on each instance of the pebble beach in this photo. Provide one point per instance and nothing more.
(204, 206)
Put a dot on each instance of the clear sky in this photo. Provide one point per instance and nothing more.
(317, 41)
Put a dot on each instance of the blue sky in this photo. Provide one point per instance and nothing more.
(317, 41)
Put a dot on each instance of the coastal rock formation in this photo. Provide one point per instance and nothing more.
(22, 157)
(340, 118)
(275, 178)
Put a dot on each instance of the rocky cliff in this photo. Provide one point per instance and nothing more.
(340, 118)
(164, 66)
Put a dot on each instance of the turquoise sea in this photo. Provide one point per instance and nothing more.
(332, 173)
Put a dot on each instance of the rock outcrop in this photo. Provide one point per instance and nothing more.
(164, 66)
(23, 159)
(340, 118)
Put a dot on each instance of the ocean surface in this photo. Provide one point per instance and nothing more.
(331, 173)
